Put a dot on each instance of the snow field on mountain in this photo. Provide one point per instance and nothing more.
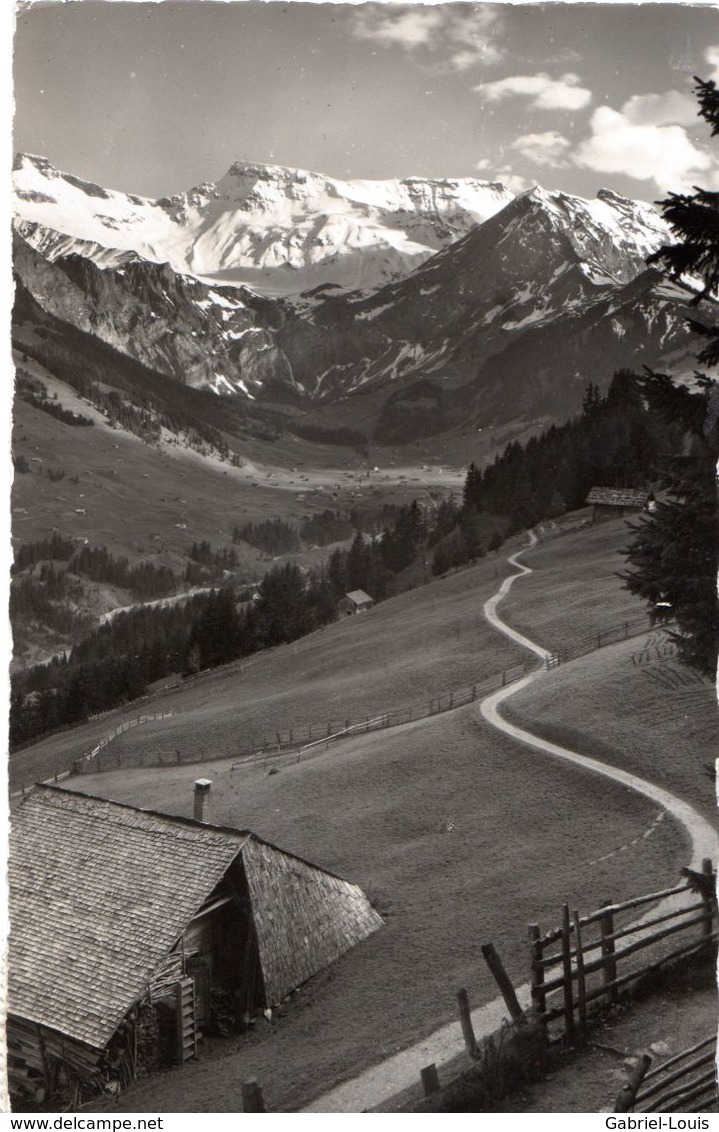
(266, 219)
(291, 229)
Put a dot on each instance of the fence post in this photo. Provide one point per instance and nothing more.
(567, 974)
(609, 966)
(430, 1079)
(539, 999)
(252, 1099)
(504, 678)
(581, 980)
(503, 980)
(465, 1019)
(628, 1095)
(708, 898)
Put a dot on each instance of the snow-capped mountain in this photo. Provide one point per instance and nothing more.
(511, 318)
(277, 230)
(543, 258)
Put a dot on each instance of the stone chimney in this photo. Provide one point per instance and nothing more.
(202, 791)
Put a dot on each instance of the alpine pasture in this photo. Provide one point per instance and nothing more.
(458, 834)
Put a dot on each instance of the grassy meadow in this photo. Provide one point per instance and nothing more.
(409, 649)
(457, 833)
(632, 707)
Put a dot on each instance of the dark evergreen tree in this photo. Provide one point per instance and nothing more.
(673, 556)
(215, 637)
(337, 573)
(283, 610)
(472, 534)
(695, 219)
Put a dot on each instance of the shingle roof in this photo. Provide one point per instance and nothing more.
(99, 892)
(359, 597)
(618, 496)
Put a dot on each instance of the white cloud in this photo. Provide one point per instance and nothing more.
(544, 92)
(671, 107)
(503, 173)
(458, 35)
(549, 148)
(408, 28)
(711, 56)
(663, 153)
(514, 182)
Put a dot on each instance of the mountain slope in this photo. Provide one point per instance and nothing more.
(216, 338)
(278, 230)
(538, 262)
(511, 319)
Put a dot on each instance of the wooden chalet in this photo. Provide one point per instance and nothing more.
(357, 601)
(127, 926)
(616, 502)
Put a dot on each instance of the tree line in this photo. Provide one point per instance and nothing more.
(115, 662)
(616, 441)
(34, 392)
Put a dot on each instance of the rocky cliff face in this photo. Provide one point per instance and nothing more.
(513, 318)
(217, 338)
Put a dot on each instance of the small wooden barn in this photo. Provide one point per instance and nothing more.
(130, 929)
(616, 502)
(357, 601)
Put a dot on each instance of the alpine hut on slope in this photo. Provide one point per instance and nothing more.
(617, 502)
(122, 923)
(357, 601)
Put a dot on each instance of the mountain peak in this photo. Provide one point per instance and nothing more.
(33, 161)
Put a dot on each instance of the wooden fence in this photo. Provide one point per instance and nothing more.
(584, 645)
(581, 966)
(587, 960)
(301, 740)
(684, 1083)
(91, 760)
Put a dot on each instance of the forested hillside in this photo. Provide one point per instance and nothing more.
(616, 441)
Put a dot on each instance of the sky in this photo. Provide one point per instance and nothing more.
(156, 98)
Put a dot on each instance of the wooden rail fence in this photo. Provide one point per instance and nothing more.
(585, 645)
(583, 964)
(301, 740)
(587, 960)
(684, 1083)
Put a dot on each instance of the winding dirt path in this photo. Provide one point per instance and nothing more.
(381, 1082)
(703, 836)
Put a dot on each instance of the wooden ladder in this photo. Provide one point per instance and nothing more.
(186, 1024)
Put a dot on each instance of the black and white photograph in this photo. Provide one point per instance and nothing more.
(362, 559)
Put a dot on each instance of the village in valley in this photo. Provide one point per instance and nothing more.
(363, 595)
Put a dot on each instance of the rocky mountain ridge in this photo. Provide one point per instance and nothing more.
(278, 230)
(512, 318)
